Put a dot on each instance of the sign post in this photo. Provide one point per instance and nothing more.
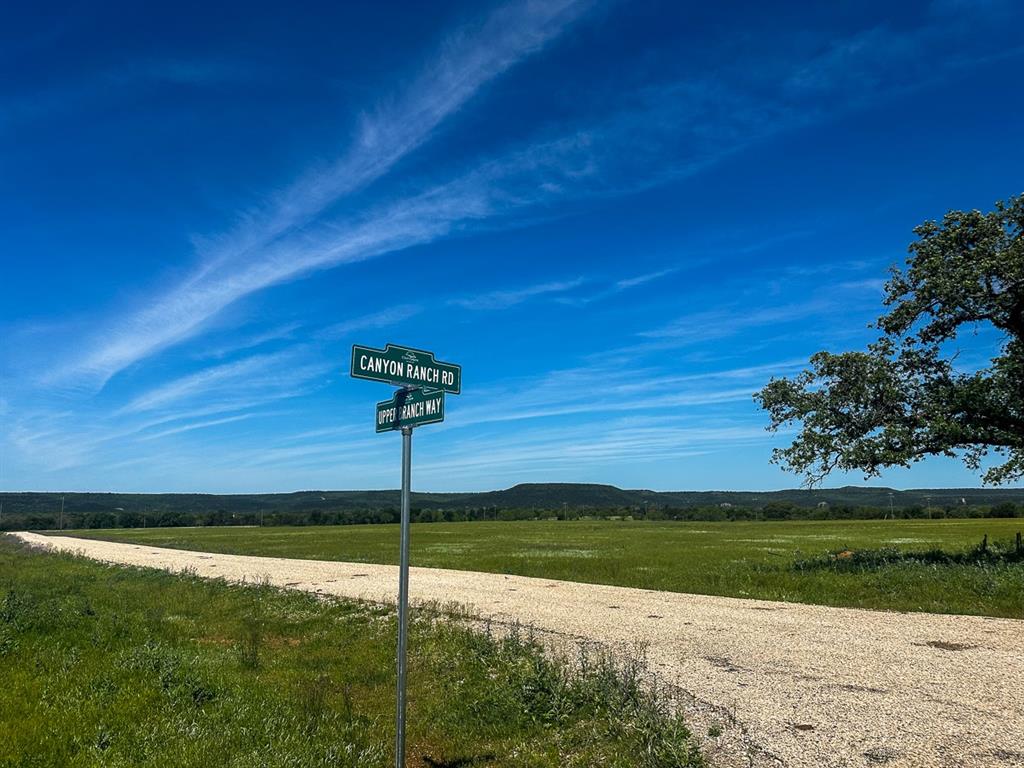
(424, 382)
(403, 596)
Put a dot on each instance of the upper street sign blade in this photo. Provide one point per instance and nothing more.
(410, 408)
(404, 366)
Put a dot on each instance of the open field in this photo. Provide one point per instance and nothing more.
(755, 560)
(802, 686)
(113, 666)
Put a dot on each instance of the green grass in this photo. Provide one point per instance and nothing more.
(108, 666)
(758, 560)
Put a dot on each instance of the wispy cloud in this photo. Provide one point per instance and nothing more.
(602, 388)
(757, 314)
(383, 319)
(882, 62)
(537, 452)
(825, 268)
(530, 453)
(90, 88)
(672, 130)
(617, 287)
(505, 299)
(870, 285)
(278, 333)
(727, 321)
(57, 440)
(243, 260)
(632, 282)
(203, 425)
(277, 372)
(465, 61)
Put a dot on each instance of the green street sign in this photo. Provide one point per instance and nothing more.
(424, 381)
(404, 366)
(410, 408)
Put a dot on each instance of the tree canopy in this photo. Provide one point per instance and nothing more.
(909, 395)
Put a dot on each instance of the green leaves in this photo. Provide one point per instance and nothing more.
(904, 398)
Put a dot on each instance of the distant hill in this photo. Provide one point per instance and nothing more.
(555, 495)
(526, 496)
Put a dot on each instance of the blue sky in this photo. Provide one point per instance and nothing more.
(621, 219)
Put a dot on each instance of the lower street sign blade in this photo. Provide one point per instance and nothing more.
(410, 408)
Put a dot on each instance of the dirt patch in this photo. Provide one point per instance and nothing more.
(860, 688)
(724, 664)
(1009, 756)
(943, 645)
(881, 755)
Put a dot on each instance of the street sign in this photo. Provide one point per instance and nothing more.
(421, 401)
(404, 366)
(410, 408)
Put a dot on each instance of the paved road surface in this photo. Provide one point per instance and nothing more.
(807, 685)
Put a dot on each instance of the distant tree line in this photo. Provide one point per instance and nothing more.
(784, 511)
(50, 519)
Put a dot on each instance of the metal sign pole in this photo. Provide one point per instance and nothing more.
(403, 596)
(424, 380)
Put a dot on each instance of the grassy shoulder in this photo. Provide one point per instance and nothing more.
(758, 560)
(108, 666)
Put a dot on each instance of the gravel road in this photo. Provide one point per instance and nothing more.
(789, 684)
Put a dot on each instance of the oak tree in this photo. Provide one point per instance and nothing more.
(907, 396)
